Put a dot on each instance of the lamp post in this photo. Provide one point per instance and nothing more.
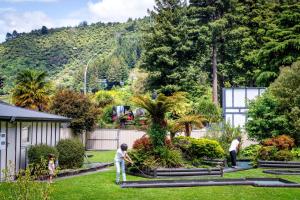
(85, 72)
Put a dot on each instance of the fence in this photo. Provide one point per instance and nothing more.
(110, 139)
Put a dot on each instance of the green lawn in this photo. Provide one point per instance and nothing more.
(101, 156)
(101, 185)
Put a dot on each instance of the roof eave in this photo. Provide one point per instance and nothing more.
(35, 119)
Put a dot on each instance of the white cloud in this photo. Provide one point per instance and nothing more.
(18, 1)
(22, 22)
(103, 10)
(119, 10)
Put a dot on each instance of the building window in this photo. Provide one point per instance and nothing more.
(25, 134)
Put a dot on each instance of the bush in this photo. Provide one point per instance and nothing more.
(206, 108)
(265, 120)
(157, 135)
(76, 106)
(283, 155)
(142, 143)
(103, 98)
(199, 148)
(250, 151)
(41, 152)
(205, 148)
(154, 158)
(71, 153)
(267, 153)
(168, 157)
(296, 152)
(106, 115)
(282, 142)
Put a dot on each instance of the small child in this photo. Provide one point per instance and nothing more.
(120, 158)
(51, 167)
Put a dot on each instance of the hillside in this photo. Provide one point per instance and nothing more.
(64, 52)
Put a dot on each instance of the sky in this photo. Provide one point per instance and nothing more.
(27, 15)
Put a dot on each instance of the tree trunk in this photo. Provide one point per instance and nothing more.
(187, 130)
(215, 77)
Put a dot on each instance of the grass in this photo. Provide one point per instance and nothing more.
(101, 185)
(101, 156)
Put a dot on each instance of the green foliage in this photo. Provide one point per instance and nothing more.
(250, 152)
(41, 152)
(106, 115)
(63, 52)
(168, 157)
(265, 120)
(25, 186)
(224, 134)
(187, 122)
(296, 152)
(31, 90)
(157, 134)
(207, 109)
(277, 110)
(267, 153)
(205, 148)
(170, 54)
(286, 90)
(146, 155)
(76, 106)
(283, 155)
(199, 148)
(103, 98)
(71, 153)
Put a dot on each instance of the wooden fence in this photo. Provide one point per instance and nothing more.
(111, 139)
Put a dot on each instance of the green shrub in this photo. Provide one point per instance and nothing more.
(199, 148)
(267, 153)
(157, 135)
(106, 115)
(206, 148)
(76, 106)
(38, 153)
(168, 157)
(103, 98)
(250, 151)
(283, 155)
(154, 158)
(296, 152)
(71, 153)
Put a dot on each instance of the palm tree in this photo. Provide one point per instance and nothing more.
(186, 122)
(157, 110)
(31, 90)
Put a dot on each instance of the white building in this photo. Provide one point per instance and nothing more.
(20, 128)
(235, 103)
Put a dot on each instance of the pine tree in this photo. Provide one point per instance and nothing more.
(211, 14)
(169, 51)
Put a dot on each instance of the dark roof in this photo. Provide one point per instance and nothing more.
(10, 112)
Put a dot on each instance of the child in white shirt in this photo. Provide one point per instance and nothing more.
(120, 158)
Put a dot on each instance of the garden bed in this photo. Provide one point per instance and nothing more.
(179, 172)
(283, 172)
(256, 182)
(278, 164)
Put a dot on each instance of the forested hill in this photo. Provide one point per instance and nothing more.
(112, 48)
